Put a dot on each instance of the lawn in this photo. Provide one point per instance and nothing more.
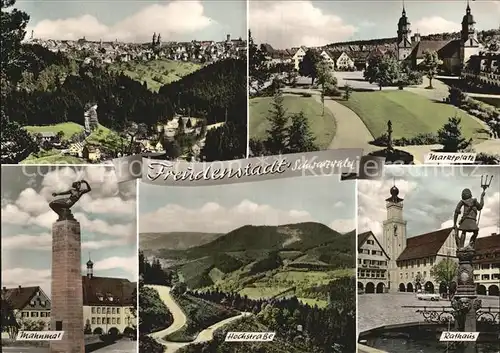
(312, 302)
(323, 127)
(312, 277)
(51, 157)
(69, 129)
(98, 137)
(493, 101)
(155, 73)
(411, 114)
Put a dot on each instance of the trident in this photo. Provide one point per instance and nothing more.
(485, 183)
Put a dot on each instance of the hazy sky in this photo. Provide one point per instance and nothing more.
(284, 24)
(137, 20)
(106, 216)
(430, 196)
(224, 208)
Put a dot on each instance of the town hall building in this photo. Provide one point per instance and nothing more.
(398, 263)
(108, 304)
(454, 53)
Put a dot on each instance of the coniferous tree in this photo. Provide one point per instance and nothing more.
(450, 136)
(276, 141)
(300, 137)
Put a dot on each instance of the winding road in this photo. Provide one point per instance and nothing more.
(180, 320)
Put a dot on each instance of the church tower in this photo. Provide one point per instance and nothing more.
(394, 234)
(153, 42)
(90, 268)
(404, 42)
(469, 43)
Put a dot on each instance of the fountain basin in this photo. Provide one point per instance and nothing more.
(424, 338)
(394, 156)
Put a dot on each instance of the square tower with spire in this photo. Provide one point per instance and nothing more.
(468, 36)
(404, 42)
(394, 234)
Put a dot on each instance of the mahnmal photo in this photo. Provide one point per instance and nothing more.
(86, 82)
(69, 255)
(429, 259)
(275, 257)
(397, 79)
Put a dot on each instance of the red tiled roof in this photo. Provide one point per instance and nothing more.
(363, 237)
(267, 48)
(119, 289)
(280, 54)
(424, 245)
(431, 45)
(19, 297)
(487, 248)
(450, 49)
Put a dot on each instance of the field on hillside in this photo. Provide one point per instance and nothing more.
(282, 282)
(410, 114)
(53, 158)
(69, 129)
(98, 137)
(322, 127)
(155, 73)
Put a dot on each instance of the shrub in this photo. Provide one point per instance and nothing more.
(450, 136)
(148, 344)
(306, 95)
(332, 91)
(456, 96)
(488, 159)
(418, 140)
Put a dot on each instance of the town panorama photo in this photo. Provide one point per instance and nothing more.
(86, 82)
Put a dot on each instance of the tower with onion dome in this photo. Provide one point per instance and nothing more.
(394, 234)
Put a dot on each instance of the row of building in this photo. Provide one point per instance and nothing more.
(397, 263)
(100, 52)
(107, 304)
(464, 55)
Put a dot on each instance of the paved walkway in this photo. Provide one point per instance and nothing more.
(353, 133)
(351, 130)
(122, 346)
(25, 350)
(376, 310)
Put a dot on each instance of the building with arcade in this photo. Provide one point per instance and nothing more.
(398, 263)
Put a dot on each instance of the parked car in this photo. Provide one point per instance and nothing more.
(428, 296)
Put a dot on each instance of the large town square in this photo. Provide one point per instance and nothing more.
(425, 69)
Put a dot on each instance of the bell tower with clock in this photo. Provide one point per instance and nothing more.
(394, 234)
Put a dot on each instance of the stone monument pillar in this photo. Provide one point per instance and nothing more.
(67, 293)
